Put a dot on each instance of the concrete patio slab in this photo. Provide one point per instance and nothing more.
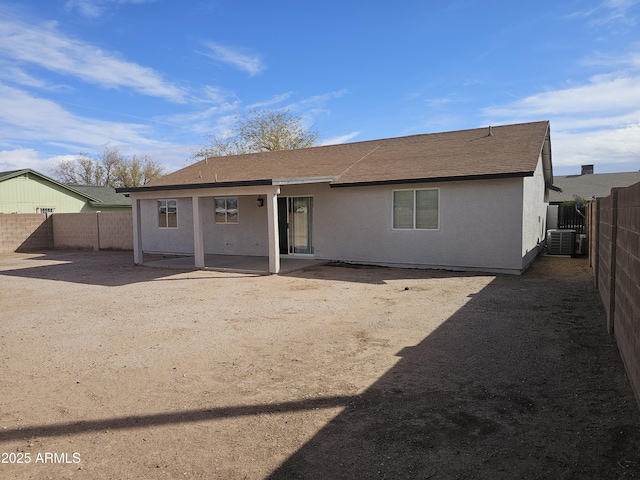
(231, 263)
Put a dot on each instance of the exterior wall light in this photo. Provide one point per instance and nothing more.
(260, 201)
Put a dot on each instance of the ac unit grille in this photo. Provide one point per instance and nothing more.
(561, 242)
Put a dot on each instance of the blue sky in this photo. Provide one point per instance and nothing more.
(155, 76)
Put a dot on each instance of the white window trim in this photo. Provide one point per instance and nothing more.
(414, 190)
(216, 222)
(166, 214)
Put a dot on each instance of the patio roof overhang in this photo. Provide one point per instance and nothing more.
(266, 189)
(233, 184)
(194, 186)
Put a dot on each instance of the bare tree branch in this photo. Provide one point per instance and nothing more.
(110, 169)
(260, 131)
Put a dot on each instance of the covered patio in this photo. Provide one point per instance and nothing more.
(196, 194)
(229, 263)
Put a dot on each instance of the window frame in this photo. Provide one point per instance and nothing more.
(226, 208)
(413, 227)
(166, 213)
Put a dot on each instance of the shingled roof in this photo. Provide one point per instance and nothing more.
(104, 196)
(492, 152)
(590, 185)
(96, 196)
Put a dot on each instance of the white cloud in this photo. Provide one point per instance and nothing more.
(629, 60)
(45, 47)
(16, 75)
(24, 117)
(272, 101)
(609, 12)
(597, 122)
(316, 102)
(28, 158)
(203, 121)
(438, 102)
(341, 139)
(88, 8)
(603, 93)
(252, 64)
(606, 146)
(95, 8)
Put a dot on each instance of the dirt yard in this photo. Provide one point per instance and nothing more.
(112, 371)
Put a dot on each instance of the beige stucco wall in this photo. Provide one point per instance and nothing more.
(247, 237)
(481, 226)
(534, 214)
(167, 240)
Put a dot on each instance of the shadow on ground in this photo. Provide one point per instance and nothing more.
(105, 268)
(522, 382)
(371, 274)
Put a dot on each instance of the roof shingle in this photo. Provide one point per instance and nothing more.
(590, 185)
(511, 150)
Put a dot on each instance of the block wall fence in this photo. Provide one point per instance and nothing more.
(25, 232)
(615, 259)
(87, 231)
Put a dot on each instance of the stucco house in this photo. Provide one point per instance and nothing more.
(28, 191)
(465, 200)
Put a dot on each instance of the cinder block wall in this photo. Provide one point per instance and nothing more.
(25, 232)
(618, 273)
(116, 230)
(93, 231)
(627, 287)
(75, 230)
(87, 231)
(605, 254)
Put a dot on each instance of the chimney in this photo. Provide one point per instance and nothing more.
(587, 170)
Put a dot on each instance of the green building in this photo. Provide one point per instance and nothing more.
(27, 191)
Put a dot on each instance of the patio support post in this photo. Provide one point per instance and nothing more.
(198, 238)
(137, 231)
(274, 240)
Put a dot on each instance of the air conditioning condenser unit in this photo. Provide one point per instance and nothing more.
(561, 242)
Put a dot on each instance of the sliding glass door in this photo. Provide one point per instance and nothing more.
(296, 225)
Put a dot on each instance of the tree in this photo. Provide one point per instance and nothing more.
(110, 169)
(260, 131)
(137, 171)
(80, 171)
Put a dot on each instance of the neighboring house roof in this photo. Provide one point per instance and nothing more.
(96, 196)
(106, 196)
(590, 185)
(493, 152)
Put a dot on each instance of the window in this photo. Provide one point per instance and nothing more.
(226, 210)
(416, 209)
(47, 210)
(168, 213)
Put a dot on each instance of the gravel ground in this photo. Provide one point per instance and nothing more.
(112, 371)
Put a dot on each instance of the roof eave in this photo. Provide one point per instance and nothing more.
(194, 186)
(490, 176)
(110, 205)
(300, 181)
